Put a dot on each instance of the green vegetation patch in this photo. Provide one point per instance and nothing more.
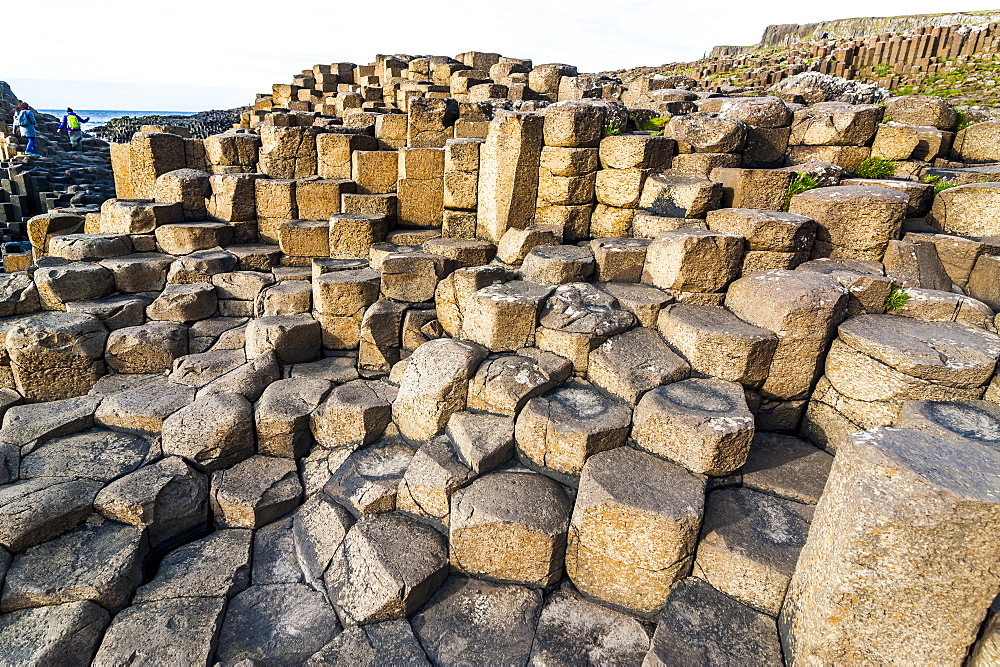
(801, 183)
(875, 166)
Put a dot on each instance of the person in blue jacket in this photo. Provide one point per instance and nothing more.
(71, 122)
(24, 119)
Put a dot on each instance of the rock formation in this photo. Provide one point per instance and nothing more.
(60, 180)
(453, 361)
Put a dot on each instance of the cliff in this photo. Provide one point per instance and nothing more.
(788, 34)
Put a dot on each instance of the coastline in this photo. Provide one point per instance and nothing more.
(99, 117)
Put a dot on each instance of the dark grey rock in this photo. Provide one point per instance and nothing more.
(786, 467)
(318, 531)
(334, 369)
(97, 454)
(10, 463)
(282, 415)
(477, 622)
(973, 420)
(5, 559)
(274, 554)
(701, 626)
(214, 566)
(63, 634)
(180, 631)
(574, 631)
(100, 562)
(386, 643)
(276, 624)
(249, 380)
(39, 509)
(197, 370)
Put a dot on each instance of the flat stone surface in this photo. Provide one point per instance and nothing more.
(503, 384)
(701, 626)
(273, 554)
(572, 630)
(945, 352)
(334, 369)
(39, 509)
(717, 343)
(386, 643)
(705, 425)
(483, 442)
(478, 622)
(249, 380)
(97, 454)
(142, 409)
(282, 416)
(973, 420)
(906, 504)
(277, 624)
(179, 631)
(786, 467)
(434, 386)
(37, 422)
(353, 414)
(630, 364)
(101, 563)
(216, 566)
(214, 432)
(802, 309)
(58, 634)
(197, 370)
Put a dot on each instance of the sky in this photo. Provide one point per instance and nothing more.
(190, 55)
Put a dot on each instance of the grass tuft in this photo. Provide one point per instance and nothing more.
(897, 300)
(874, 166)
(801, 183)
(612, 126)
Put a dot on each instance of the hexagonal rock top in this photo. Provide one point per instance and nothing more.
(510, 526)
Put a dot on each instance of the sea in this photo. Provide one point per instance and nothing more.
(101, 116)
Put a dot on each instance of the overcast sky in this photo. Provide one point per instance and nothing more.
(188, 55)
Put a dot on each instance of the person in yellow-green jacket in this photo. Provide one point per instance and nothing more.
(71, 122)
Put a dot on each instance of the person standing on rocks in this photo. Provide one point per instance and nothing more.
(24, 119)
(71, 122)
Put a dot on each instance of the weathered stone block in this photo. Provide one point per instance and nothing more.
(717, 343)
(877, 515)
(510, 526)
(558, 432)
(693, 260)
(627, 549)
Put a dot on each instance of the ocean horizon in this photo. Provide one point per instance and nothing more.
(99, 117)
